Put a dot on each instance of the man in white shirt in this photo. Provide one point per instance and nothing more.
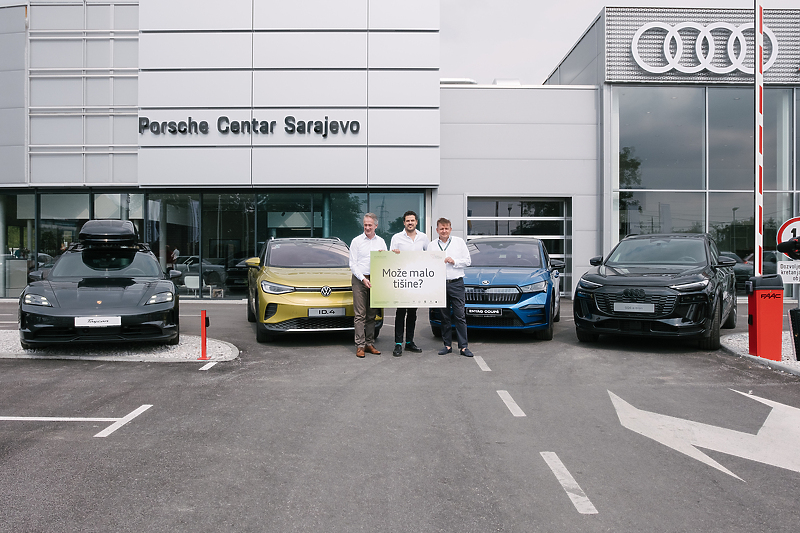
(457, 258)
(360, 248)
(407, 240)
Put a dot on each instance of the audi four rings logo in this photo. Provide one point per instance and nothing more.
(633, 293)
(325, 291)
(706, 57)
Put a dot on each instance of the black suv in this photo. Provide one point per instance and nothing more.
(672, 285)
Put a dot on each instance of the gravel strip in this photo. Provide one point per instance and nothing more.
(739, 344)
(187, 351)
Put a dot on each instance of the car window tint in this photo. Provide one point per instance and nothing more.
(505, 254)
(659, 252)
(106, 263)
(309, 255)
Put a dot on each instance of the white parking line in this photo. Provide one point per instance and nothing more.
(571, 487)
(208, 365)
(8, 322)
(510, 403)
(482, 363)
(117, 422)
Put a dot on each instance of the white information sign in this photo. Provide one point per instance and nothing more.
(789, 271)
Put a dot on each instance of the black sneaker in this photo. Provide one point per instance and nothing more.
(411, 347)
(398, 350)
(466, 353)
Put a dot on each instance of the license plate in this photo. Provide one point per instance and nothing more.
(624, 307)
(97, 321)
(327, 311)
(484, 312)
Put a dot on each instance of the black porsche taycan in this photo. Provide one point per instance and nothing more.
(105, 288)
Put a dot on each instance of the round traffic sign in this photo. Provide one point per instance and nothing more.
(789, 230)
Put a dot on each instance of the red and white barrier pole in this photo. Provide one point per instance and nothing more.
(759, 137)
(203, 326)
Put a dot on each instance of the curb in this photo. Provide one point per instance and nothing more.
(774, 365)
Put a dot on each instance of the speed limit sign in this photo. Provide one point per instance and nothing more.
(789, 230)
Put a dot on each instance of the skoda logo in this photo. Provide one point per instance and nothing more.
(634, 293)
(325, 291)
(705, 47)
(485, 282)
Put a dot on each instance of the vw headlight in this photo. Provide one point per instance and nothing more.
(275, 288)
(540, 286)
(586, 284)
(160, 298)
(35, 299)
(687, 287)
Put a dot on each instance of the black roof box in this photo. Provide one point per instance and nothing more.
(105, 232)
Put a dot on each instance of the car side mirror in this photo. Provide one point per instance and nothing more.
(726, 262)
(36, 275)
(174, 274)
(253, 262)
(596, 261)
(557, 264)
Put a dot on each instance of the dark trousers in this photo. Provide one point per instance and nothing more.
(407, 315)
(455, 299)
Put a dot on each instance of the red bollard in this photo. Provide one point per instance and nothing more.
(203, 325)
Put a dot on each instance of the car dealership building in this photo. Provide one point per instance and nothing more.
(216, 129)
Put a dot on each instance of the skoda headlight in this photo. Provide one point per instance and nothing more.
(275, 288)
(35, 299)
(540, 286)
(687, 287)
(586, 284)
(160, 298)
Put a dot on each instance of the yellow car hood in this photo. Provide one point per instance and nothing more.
(310, 277)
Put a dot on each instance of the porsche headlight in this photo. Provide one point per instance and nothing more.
(35, 299)
(687, 287)
(586, 284)
(275, 288)
(160, 298)
(540, 286)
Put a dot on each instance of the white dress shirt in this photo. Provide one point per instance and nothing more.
(359, 253)
(401, 241)
(457, 249)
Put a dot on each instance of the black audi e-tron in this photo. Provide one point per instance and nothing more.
(105, 288)
(672, 285)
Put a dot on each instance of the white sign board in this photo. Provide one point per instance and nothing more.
(789, 230)
(789, 271)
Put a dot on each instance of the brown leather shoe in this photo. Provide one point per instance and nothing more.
(360, 352)
(371, 349)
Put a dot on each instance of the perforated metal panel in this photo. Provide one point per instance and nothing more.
(635, 45)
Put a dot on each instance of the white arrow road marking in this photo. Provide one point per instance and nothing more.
(117, 422)
(775, 443)
(571, 487)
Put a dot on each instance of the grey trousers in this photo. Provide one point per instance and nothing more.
(365, 315)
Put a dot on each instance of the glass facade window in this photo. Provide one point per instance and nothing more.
(390, 206)
(228, 232)
(173, 231)
(661, 137)
(661, 212)
(18, 243)
(61, 218)
(778, 153)
(730, 138)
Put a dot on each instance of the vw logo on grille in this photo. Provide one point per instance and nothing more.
(325, 291)
(634, 293)
(736, 47)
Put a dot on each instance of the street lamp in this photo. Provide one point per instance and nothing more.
(733, 230)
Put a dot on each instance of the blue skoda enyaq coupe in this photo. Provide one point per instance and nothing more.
(512, 284)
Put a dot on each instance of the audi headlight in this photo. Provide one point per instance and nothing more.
(160, 298)
(586, 284)
(687, 287)
(540, 286)
(35, 299)
(275, 288)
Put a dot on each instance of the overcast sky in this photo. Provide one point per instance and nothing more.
(526, 39)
